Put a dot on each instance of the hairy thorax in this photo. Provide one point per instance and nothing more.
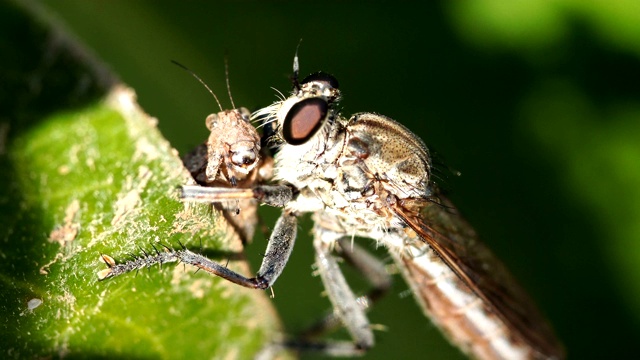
(349, 174)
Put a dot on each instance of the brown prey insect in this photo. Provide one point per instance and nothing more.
(231, 157)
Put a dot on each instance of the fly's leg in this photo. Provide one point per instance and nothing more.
(273, 195)
(278, 250)
(346, 307)
(371, 268)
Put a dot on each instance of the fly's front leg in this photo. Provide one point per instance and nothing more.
(278, 250)
(284, 233)
(170, 255)
(273, 195)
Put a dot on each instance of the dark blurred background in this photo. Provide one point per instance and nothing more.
(537, 103)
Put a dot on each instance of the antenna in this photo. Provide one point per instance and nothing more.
(201, 82)
(226, 75)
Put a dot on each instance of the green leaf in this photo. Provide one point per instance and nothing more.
(84, 171)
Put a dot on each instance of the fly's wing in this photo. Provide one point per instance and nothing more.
(453, 239)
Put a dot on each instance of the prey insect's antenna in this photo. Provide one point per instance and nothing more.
(226, 75)
(201, 82)
(296, 69)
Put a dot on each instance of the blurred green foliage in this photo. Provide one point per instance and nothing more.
(535, 102)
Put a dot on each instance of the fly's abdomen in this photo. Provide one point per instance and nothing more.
(463, 316)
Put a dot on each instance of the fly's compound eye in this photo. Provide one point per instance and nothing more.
(303, 120)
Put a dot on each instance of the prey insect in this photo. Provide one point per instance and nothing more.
(369, 176)
(230, 157)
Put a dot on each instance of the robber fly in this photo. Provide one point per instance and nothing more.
(369, 176)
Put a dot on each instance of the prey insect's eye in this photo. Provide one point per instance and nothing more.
(321, 77)
(303, 120)
(243, 158)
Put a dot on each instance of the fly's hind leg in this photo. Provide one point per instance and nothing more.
(348, 310)
(371, 268)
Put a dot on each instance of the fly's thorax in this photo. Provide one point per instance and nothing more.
(351, 172)
(370, 161)
(390, 153)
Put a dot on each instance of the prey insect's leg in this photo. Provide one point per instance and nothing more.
(278, 251)
(371, 268)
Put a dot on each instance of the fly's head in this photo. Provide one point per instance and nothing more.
(297, 119)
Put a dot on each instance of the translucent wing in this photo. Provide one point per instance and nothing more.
(456, 243)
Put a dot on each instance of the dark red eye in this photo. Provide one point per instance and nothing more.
(303, 120)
